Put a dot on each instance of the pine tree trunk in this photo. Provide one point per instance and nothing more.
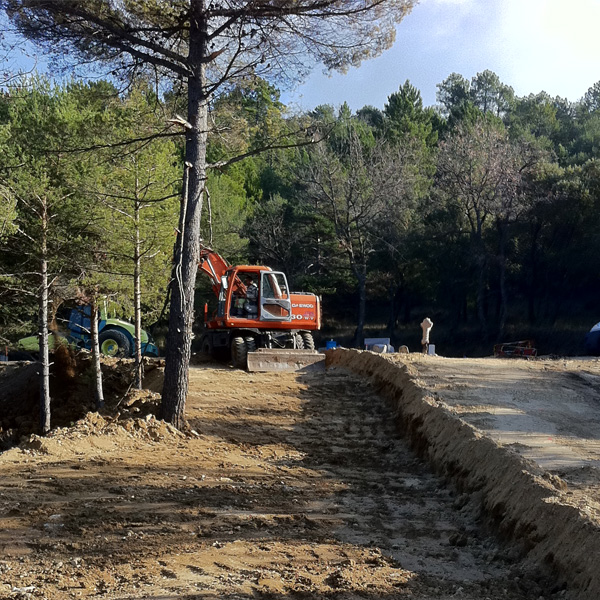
(532, 287)
(394, 297)
(179, 337)
(43, 324)
(502, 280)
(99, 390)
(481, 262)
(392, 310)
(481, 312)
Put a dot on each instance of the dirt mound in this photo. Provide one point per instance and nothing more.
(95, 433)
(71, 390)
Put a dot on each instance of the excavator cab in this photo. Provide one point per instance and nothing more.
(275, 303)
(262, 296)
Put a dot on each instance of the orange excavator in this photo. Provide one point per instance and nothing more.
(259, 323)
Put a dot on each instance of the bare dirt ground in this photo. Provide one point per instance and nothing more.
(547, 411)
(289, 486)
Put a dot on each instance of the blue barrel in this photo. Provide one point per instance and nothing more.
(330, 345)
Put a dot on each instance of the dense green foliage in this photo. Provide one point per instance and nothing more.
(62, 149)
(482, 212)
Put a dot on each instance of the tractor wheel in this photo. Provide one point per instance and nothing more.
(309, 341)
(239, 353)
(206, 346)
(114, 343)
(299, 345)
(250, 344)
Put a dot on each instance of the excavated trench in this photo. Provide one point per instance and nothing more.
(528, 505)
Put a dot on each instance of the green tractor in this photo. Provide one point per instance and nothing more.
(116, 337)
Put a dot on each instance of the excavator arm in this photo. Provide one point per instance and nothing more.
(214, 265)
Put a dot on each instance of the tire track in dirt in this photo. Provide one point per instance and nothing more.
(554, 522)
(293, 486)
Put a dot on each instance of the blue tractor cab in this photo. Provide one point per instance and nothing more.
(116, 337)
(592, 341)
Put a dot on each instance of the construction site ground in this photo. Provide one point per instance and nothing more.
(316, 485)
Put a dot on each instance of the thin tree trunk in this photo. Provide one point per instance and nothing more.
(392, 310)
(359, 334)
(43, 324)
(481, 295)
(137, 298)
(99, 390)
(502, 283)
(480, 260)
(394, 292)
(318, 244)
(531, 286)
(179, 337)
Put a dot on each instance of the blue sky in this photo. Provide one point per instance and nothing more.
(532, 45)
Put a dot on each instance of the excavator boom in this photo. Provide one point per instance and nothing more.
(214, 265)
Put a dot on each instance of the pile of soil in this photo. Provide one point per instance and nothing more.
(72, 392)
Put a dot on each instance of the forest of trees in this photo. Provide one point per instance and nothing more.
(481, 212)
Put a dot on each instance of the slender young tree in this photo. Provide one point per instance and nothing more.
(140, 215)
(484, 174)
(97, 366)
(470, 174)
(207, 46)
(43, 317)
(360, 183)
(49, 219)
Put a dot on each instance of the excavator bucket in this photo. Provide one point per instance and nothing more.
(269, 360)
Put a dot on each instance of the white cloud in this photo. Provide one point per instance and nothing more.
(548, 45)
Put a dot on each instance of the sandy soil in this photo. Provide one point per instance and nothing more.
(547, 411)
(520, 438)
(290, 486)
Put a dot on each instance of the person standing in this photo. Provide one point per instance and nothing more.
(426, 326)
